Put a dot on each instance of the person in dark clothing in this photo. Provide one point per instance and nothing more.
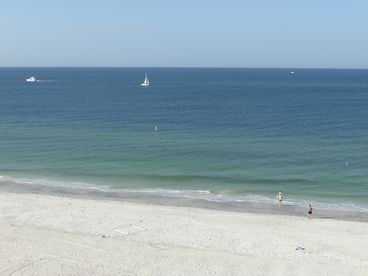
(310, 210)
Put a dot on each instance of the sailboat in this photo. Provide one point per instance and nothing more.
(146, 81)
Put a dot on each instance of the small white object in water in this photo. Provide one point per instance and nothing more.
(292, 72)
(155, 128)
(31, 79)
(347, 163)
(146, 81)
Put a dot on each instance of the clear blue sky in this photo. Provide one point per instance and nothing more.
(204, 33)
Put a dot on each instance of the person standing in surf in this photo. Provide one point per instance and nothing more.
(279, 198)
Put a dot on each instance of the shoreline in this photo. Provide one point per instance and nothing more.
(48, 234)
(179, 201)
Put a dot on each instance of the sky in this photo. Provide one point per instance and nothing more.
(190, 33)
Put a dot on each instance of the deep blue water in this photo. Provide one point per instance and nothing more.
(232, 133)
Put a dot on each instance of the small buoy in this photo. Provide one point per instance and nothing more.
(292, 72)
(347, 163)
(155, 128)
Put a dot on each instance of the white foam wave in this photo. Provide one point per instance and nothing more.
(191, 194)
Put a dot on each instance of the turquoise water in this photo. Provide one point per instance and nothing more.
(229, 134)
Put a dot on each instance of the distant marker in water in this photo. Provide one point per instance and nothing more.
(156, 128)
(346, 163)
(292, 72)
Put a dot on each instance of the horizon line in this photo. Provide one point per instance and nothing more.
(184, 67)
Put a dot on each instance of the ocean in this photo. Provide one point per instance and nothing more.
(224, 135)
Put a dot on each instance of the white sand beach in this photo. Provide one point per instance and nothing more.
(55, 235)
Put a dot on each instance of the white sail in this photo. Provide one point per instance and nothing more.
(146, 81)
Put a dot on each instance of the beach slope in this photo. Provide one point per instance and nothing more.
(51, 235)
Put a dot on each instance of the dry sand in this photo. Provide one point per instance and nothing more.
(51, 235)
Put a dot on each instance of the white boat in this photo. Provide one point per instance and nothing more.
(31, 79)
(146, 81)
